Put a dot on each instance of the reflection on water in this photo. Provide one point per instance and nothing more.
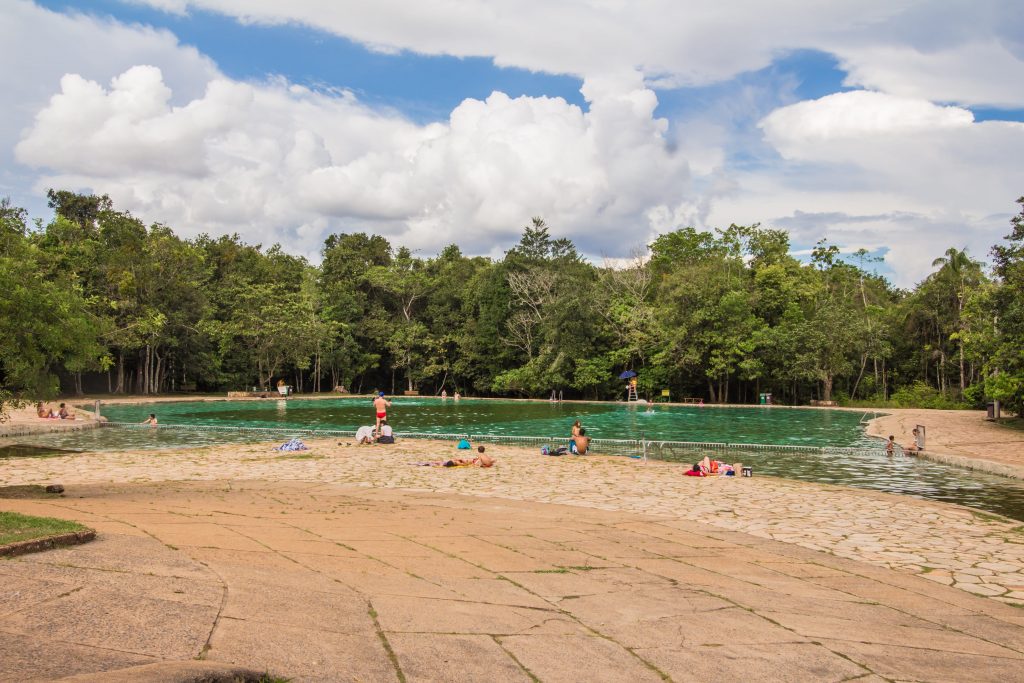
(870, 469)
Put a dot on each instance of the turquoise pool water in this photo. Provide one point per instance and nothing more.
(869, 468)
(521, 418)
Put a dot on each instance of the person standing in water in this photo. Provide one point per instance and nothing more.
(381, 405)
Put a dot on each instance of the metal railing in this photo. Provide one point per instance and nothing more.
(679, 451)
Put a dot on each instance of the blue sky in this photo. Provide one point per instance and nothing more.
(895, 133)
(424, 88)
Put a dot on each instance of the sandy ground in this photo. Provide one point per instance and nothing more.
(350, 563)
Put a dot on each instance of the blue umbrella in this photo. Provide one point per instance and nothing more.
(627, 374)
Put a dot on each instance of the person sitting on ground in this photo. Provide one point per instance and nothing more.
(44, 412)
(151, 420)
(365, 435)
(386, 434)
(581, 444)
(65, 413)
(890, 446)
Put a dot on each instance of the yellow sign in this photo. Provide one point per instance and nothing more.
(665, 393)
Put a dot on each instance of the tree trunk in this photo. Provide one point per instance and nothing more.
(942, 372)
(826, 386)
(120, 373)
(863, 364)
(158, 378)
(711, 391)
(963, 383)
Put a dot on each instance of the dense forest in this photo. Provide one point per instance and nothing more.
(97, 301)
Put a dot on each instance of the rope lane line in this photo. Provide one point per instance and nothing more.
(657, 445)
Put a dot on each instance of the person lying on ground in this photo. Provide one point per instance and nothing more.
(709, 466)
(482, 460)
(696, 471)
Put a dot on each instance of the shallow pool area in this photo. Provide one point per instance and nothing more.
(861, 462)
(769, 425)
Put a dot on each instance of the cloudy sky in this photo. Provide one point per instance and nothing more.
(892, 125)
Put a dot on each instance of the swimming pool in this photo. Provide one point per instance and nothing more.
(867, 468)
(775, 425)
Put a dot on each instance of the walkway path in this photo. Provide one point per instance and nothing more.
(975, 552)
(322, 581)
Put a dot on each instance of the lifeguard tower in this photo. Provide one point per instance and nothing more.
(630, 378)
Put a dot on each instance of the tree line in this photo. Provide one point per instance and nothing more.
(95, 300)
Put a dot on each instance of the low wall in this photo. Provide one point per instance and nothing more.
(976, 464)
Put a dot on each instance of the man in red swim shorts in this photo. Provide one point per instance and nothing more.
(381, 405)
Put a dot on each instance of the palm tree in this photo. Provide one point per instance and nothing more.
(958, 265)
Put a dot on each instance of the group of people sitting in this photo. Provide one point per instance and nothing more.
(579, 444)
(63, 412)
(370, 434)
(912, 448)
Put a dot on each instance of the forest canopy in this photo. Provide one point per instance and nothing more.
(97, 301)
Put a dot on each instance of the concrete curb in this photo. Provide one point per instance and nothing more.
(39, 544)
(21, 429)
(976, 464)
(172, 672)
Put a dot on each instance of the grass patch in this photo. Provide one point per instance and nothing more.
(560, 570)
(986, 517)
(16, 527)
(1014, 423)
(26, 491)
(301, 456)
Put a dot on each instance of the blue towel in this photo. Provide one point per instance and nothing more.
(293, 445)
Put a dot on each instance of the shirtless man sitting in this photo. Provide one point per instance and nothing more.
(582, 442)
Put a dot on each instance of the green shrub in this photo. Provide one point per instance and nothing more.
(921, 395)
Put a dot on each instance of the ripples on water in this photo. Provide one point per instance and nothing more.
(870, 469)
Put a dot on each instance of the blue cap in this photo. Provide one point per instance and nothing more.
(380, 393)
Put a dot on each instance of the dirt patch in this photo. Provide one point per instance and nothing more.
(27, 491)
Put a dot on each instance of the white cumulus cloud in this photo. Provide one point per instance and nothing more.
(275, 161)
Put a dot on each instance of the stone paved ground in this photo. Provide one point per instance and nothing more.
(323, 581)
(945, 544)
